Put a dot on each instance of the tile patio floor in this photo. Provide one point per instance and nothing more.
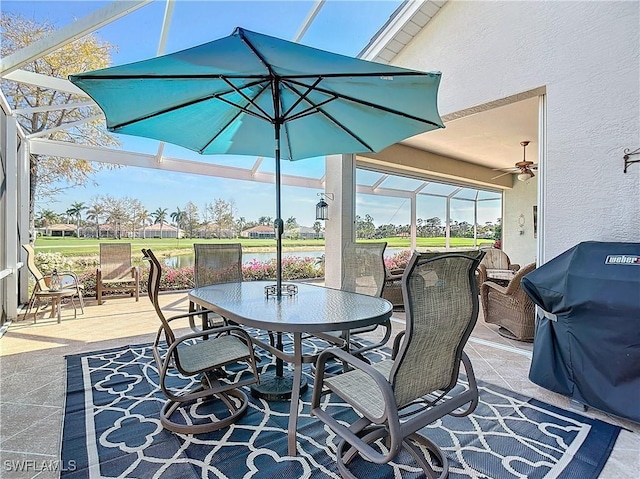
(32, 376)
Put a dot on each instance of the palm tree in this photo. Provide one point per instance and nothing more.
(241, 223)
(47, 218)
(144, 217)
(75, 211)
(317, 227)
(179, 216)
(159, 216)
(94, 213)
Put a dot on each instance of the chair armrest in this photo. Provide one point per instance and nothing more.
(190, 314)
(482, 275)
(394, 273)
(135, 272)
(382, 382)
(69, 274)
(488, 285)
(397, 341)
(514, 266)
(210, 332)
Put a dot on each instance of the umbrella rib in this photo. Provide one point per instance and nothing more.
(241, 109)
(250, 100)
(327, 115)
(182, 76)
(301, 97)
(368, 103)
(217, 96)
(201, 151)
(364, 74)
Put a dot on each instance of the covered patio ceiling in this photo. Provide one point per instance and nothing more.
(474, 144)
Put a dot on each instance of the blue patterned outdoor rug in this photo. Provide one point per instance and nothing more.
(111, 429)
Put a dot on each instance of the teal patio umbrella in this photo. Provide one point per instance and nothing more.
(253, 94)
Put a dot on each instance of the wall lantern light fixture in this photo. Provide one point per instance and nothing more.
(322, 208)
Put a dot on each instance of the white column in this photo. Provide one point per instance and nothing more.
(447, 225)
(340, 227)
(10, 153)
(542, 179)
(414, 228)
(475, 220)
(23, 216)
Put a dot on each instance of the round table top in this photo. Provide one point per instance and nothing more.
(312, 309)
(58, 292)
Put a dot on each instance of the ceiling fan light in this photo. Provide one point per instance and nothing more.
(525, 176)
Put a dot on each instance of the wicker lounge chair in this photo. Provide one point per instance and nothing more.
(398, 397)
(116, 273)
(510, 307)
(190, 355)
(494, 258)
(392, 291)
(69, 288)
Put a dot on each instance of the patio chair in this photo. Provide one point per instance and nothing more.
(116, 273)
(396, 398)
(192, 356)
(494, 258)
(215, 264)
(364, 272)
(70, 288)
(510, 307)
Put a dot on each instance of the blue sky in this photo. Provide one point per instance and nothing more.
(343, 27)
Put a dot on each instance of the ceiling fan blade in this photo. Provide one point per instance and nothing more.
(503, 174)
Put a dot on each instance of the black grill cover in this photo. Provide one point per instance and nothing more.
(591, 350)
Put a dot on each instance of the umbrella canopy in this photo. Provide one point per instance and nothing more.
(252, 94)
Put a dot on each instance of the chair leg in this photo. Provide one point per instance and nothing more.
(347, 453)
(227, 398)
(30, 304)
(81, 300)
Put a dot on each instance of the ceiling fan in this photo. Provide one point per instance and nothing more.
(524, 168)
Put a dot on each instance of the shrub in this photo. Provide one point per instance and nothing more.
(182, 278)
(47, 262)
(398, 260)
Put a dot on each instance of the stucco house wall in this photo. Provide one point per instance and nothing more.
(518, 201)
(586, 56)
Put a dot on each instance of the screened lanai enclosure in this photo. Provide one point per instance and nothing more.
(456, 174)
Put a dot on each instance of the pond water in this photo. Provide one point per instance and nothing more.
(183, 260)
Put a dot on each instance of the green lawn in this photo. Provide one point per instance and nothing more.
(88, 246)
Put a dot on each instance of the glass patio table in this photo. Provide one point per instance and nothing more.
(314, 309)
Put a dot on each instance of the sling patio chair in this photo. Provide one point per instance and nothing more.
(396, 398)
(363, 272)
(510, 307)
(116, 272)
(68, 287)
(193, 356)
(215, 264)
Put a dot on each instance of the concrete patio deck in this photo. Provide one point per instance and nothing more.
(32, 376)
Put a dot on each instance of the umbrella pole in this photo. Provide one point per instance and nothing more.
(279, 224)
(279, 227)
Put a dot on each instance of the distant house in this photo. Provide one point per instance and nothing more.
(211, 230)
(259, 232)
(153, 231)
(60, 229)
(304, 232)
